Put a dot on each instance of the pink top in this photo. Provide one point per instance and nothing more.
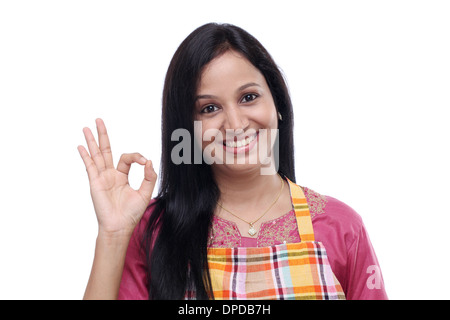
(335, 224)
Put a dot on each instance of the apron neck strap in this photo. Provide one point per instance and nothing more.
(302, 213)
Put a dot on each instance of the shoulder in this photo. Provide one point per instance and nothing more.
(335, 223)
(342, 232)
(139, 233)
(333, 211)
(148, 213)
(133, 284)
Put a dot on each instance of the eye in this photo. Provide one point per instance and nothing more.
(209, 108)
(249, 97)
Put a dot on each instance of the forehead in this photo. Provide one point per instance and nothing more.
(231, 69)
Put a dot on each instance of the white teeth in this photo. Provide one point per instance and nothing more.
(240, 143)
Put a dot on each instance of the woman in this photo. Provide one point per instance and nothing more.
(228, 202)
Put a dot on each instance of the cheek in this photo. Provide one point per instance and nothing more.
(267, 117)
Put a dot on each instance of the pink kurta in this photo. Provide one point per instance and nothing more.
(336, 225)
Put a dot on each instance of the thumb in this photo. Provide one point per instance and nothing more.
(149, 182)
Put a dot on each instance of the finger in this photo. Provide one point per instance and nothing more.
(91, 168)
(105, 146)
(149, 182)
(96, 155)
(127, 159)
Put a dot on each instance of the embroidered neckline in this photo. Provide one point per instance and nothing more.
(225, 233)
(316, 201)
(262, 223)
(283, 229)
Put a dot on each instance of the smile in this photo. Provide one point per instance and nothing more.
(241, 146)
(240, 143)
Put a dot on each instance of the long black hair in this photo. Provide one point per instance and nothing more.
(175, 238)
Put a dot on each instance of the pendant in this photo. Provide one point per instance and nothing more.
(252, 230)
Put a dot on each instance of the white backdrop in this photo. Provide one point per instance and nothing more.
(370, 84)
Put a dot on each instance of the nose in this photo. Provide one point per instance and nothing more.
(235, 120)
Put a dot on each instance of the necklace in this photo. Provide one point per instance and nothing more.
(252, 231)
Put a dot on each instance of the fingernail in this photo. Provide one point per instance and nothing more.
(143, 159)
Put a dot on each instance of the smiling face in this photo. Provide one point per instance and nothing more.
(237, 113)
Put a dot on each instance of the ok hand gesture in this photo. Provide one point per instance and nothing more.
(118, 206)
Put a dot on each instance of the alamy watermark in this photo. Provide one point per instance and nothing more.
(375, 279)
(237, 147)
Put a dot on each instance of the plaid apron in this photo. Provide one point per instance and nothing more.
(286, 271)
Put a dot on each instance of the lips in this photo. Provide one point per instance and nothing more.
(240, 143)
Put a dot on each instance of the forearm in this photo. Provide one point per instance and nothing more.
(107, 268)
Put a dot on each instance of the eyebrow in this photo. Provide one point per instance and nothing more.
(250, 84)
(243, 87)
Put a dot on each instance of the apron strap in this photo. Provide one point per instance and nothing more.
(302, 213)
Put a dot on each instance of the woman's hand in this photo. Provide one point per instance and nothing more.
(118, 206)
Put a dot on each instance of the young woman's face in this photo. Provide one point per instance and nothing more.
(237, 114)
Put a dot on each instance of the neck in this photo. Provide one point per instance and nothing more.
(248, 191)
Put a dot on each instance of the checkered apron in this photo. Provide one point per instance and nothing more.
(286, 271)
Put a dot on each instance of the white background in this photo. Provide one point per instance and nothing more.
(370, 85)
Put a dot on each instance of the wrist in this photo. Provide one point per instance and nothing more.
(114, 237)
